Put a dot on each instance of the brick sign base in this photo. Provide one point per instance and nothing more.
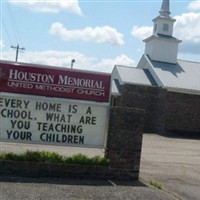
(123, 149)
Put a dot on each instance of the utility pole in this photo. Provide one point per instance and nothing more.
(17, 51)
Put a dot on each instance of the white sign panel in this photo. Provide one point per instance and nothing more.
(44, 120)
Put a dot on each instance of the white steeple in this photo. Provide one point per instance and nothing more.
(162, 46)
(163, 24)
(164, 11)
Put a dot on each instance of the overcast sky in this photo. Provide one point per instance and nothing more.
(97, 34)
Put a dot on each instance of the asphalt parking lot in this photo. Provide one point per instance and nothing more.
(174, 163)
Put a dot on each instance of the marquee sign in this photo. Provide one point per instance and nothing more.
(49, 105)
(54, 82)
(44, 120)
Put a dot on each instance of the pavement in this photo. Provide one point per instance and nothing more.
(173, 163)
(57, 189)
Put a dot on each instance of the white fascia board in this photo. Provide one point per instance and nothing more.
(115, 94)
(153, 73)
(145, 63)
(139, 84)
(141, 63)
(116, 75)
(164, 18)
(182, 90)
(172, 39)
(149, 38)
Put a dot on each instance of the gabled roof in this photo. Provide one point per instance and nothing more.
(184, 76)
(130, 75)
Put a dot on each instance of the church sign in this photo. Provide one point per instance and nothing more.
(54, 82)
(78, 118)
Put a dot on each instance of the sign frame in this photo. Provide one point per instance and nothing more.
(52, 81)
(76, 80)
(60, 100)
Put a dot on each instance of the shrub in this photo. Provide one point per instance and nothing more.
(52, 157)
(156, 184)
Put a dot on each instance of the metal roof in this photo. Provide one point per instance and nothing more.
(184, 75)
(132, 75)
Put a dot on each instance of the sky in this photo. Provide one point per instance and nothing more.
(98, 34)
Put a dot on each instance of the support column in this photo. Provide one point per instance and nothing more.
(124, 142)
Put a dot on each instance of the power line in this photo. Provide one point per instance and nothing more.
(7, 33)
(14, 25)
(17, 51)
(15, 32)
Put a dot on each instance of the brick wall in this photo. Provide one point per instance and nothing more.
(164, 111)
(183, 112)
(151, 99)
(124, 144)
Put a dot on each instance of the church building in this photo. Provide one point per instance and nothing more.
(168, 89)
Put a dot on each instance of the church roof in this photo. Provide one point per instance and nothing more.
(184, 76)
(131, 75)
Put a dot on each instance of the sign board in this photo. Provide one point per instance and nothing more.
(45, 120)
(50, 105)
(54, 82)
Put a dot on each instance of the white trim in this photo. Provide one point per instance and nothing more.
(182, 90)
(150, 68)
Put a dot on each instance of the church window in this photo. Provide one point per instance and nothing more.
(155, 27)
(165, 27)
